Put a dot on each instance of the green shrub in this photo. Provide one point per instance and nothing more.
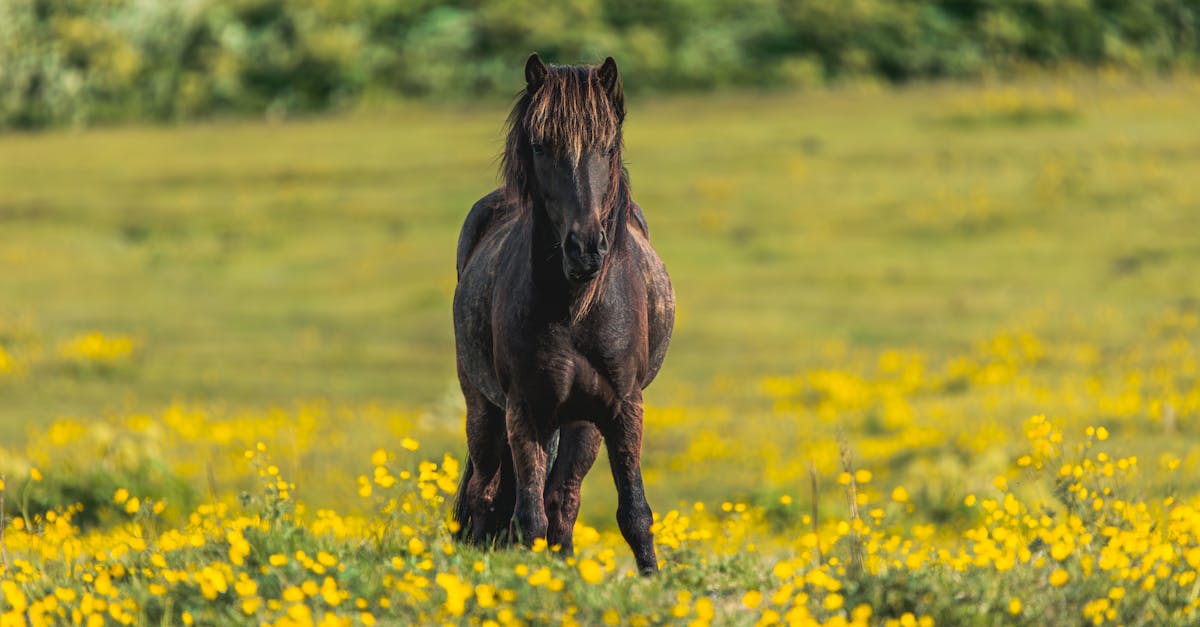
(73, 62)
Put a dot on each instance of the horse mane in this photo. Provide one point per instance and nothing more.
(571, 109)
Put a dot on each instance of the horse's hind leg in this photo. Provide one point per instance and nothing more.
(488, 507)
(623, 438)
(579, 443)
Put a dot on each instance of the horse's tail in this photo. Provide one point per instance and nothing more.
(552, 452)
(462, 511)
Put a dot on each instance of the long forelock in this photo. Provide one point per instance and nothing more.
(571, 112)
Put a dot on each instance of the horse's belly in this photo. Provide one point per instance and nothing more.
(660, 307)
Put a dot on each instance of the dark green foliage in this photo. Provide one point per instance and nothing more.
(77, 61)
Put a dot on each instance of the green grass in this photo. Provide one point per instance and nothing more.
(261, 263)
(889, 282)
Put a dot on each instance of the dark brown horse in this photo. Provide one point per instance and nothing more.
(562, 315)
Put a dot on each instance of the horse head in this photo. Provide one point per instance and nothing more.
(563, 158)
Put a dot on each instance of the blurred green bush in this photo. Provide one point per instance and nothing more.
(80, 61)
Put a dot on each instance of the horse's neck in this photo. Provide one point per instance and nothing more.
(546, 268)
(545, 254)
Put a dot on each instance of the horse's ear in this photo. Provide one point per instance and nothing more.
(535, 73)
(610, 80)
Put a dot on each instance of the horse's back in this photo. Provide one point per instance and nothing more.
(482, 217)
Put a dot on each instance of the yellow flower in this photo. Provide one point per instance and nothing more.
(415, 546)
(330, 592)
(246, 587)
(1060, 551)
(457, 593)
(1014, 606)
(379, 457)
(900, 495)
(591, 571)
(133, 505)
(14, 595)
(752, 599)
(833, 602)
(410, 444)
(121, 496)
(1059, 577)
(1101, 434)
(540, 576)
(485, 595)
(35, 474)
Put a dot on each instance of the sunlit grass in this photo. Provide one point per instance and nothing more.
(314, 258)
(922, 371)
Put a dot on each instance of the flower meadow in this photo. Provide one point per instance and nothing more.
(935, 362)
(1026, 479)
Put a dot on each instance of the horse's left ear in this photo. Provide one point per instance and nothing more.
(610, 80)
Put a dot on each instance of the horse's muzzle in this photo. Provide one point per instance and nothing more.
(581, 273)
(583, 256)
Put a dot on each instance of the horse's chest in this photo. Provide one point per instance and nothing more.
(575, 366)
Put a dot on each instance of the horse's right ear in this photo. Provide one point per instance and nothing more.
(535, 73)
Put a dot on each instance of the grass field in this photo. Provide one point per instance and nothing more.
(878, 293)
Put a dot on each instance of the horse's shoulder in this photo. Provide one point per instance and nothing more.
(485, 212)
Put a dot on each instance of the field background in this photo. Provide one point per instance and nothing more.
(900, 277)
(262, 264)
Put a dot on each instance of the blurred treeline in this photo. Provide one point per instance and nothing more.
(78, 61)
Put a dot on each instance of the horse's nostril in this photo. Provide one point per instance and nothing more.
(602, 246)
(573, 245)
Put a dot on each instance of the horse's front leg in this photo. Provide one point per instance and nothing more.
(623, 439)
(529, 457)
(579, 443)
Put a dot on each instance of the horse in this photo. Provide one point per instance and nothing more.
(562, 316)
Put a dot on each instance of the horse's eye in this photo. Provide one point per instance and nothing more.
(612, 150)
(537, 149)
